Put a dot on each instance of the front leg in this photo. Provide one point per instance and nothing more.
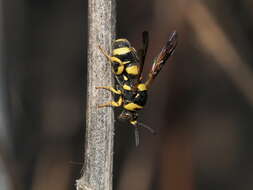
(105, 53)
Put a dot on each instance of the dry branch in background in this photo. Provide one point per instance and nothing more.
(97, 169)
(218, 45)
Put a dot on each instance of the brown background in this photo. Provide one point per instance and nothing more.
(200, 105)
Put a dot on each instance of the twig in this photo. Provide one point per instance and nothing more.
(97, 168)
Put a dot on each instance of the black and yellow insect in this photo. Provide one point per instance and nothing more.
(130, 92)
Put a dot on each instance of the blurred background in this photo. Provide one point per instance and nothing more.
(200, 105)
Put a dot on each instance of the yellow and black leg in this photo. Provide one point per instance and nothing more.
(112, 103)
(109, 88)
(117, 103)
(109, 104)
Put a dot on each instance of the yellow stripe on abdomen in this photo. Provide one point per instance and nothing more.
(127, 87)
(142, 87)
(134, 122)
(132, 106)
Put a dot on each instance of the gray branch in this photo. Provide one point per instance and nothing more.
(98, 163)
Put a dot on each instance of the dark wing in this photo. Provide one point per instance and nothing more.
(163, 56)
(143, 51)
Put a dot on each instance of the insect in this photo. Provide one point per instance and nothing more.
(131, 91)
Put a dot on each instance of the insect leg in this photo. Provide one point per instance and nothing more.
(148, 128)
(105, 53)
(112, 103)
(109, 88)
(136, 130)
(137, 124)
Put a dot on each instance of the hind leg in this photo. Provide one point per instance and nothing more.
(109, 88)
(112, 103)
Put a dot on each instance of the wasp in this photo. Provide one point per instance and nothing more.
(131, 91)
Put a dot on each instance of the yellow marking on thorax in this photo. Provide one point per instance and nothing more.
(133, 70)
(142, 87)
(120, 70)
(115, 59)
(121, 51)
(137, 95)
(125, 78)
(126, 62)
(126, 87)
(120, 67)
(133, 122)
(132, 106)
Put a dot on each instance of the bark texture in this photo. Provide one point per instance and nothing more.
(98, 163)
